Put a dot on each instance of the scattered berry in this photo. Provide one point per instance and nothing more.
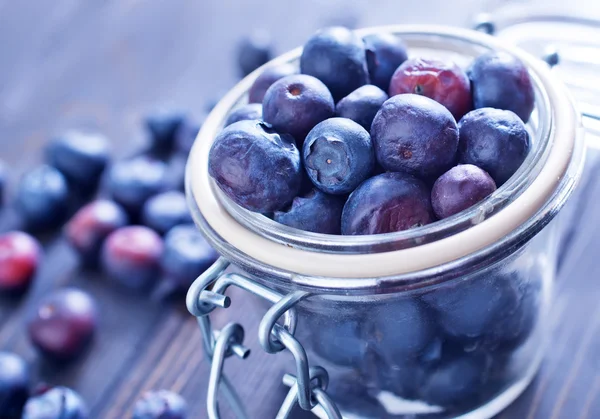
(19, 259)
(385, 53)
(271, 74)
(316, 211)
(56, 403)
(165, 211)
(14, 385)
(362, 105)
(245, 112)
(254, 51)
(161, 404)
(163, 125)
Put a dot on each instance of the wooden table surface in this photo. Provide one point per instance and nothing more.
(102, 64)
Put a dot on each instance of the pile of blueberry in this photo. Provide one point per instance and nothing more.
(366, 140)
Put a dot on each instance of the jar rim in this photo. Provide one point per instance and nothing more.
(237, 233)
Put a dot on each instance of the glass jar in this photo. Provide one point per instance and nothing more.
(447, 320)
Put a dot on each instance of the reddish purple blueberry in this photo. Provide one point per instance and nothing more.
(443, 81)
(253, 52)
(163, 125)
(386, 203)
(165, 211)
(161, 404)
(255, 166)
(90, 226)
(385, 53)
(338, 155)
(295, 104)
(337, 57)
(56, 403)
(270, 75)
(246, 112)
(460, 188)
(416, 135)
(131, 256)
(502, 81)
(494, 140)
(64, 324)
(14, 385)
(362, 105)
(316, 211)
(20, 256)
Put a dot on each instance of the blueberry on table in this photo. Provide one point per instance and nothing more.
(385, 53)
(163, 125)
(501, 81)
(165, 211)
(56, 403)
(186, 135)
(386, 203)
(460, 188)
(162, 404)
(81, 157)
(295, 104)
(337, 57)
(63, 324)
(90, 226)
(338, 155)
(254, 51)
(269, 76)
(245, 112)
(186, 255)
(19, 259)
(131, 256)
(362, 105)
(255, 166)
(14, 385)
(494, 140)
(316, 211)
(443, 81)
(416, 135)
(132, 182)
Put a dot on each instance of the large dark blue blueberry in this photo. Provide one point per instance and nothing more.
(401, 378)
(165, 211)
(337, 57)
(186, 135)
(163, 125)
(56, 403)
(501, 81)
(132, 182)
(338, 341)
(316, 211)
(255, 166)
(386, 203)
(245, 112)
(460, 188)
(253, 51)
(494, 140)
(416, 135)
(362, 105)
(186, 255)
(162, 404)
(3, 182)
(81, 157)
(338, 155)
(385, 53)
(42, 198)
(14, 385)
(270, 75)
(295, 104)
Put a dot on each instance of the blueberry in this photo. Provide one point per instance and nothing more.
(186, 135)
(161, 404)
(385, 53)
(337, 57)
(163, 125)
(317, 212)
(443, 81)
(63, 324)
(132, 182)
(165, 211)
(245, 112)
(14, 385)
(88, 228)
(415, 134)
(386, 203)
(502, 81)
(362, 105)
(3, 182)
(19, 259)
(338, 341)
(460, 188)
(494, 140)
(269, 76)
(255, 166)
(186, 255)
(81, 157)
(42, 198)
(131, 256)
(350, 390)
(57, 403)
(295, 104)
(253, 51)
(401, 378)
(175, 174)
(338, 155)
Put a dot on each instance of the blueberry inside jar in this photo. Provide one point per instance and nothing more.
(425, 240)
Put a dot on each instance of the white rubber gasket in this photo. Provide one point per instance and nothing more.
(478, 237)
